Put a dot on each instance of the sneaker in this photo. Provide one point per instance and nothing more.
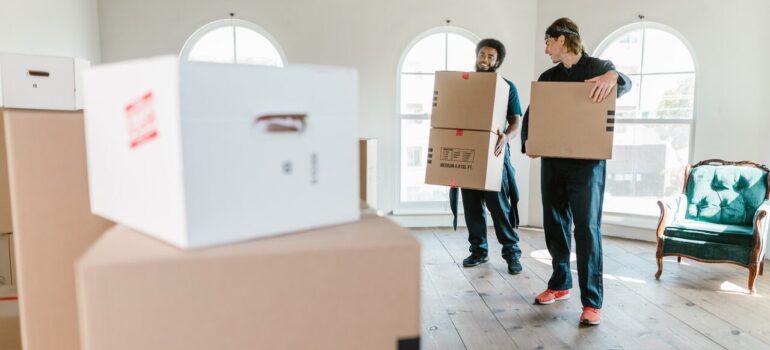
(514, 266)
(590, 316)
(474, 260)
(550, 295)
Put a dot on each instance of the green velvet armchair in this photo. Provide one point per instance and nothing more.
(721, 216)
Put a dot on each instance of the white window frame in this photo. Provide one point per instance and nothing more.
(621, 217)
(424, 207)
(230, 22)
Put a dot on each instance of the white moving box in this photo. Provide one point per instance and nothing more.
(202, 154)
(41, 82)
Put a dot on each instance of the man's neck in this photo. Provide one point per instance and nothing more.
(570, 59)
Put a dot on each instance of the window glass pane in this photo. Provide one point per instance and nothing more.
(626, 52)
(665, 53)
(253, 48)
(461, 53)
(416, 94)
(667, 96)
(627, 106)
(414, 135)
(214, 46)
(427, 56)
(647, 163)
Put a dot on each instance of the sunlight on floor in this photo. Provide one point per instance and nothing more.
(544, 257)
(728, 287)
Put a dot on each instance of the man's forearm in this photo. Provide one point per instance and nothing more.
(512, 125)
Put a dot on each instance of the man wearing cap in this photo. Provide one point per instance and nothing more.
(502, 205)
(573, 189)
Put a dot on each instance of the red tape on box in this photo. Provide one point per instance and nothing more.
(459, 132)
(466, 75)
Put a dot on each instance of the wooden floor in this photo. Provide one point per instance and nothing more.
(693, 306)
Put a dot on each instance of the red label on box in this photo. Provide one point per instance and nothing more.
(140, 120)
(459, 132)
(466, 75)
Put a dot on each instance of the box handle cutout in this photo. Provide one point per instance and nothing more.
(38, 73)
(280, 123)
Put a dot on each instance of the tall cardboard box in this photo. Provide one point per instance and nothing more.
(202, 154)
(53, 224)
(6, 222)
(464, 158)
(367, 163)
(565, 123)
(353, 286)
(469, 101)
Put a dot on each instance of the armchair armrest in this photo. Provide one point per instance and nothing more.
(672, 209)
(761, 229)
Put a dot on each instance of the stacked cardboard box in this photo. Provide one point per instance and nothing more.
(203, 154)
(53, 224)
(352, 286)
(565, 123)
(209, 156)
(468, 111)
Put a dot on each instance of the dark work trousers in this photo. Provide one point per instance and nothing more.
(573, 190)
(503, 208)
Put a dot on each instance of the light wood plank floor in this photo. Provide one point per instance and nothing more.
(693, 306)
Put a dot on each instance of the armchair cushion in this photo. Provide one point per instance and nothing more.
(726, 194)
(710, 232)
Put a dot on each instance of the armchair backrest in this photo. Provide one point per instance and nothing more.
(726, 192)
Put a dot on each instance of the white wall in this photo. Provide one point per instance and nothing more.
(67, 28)
(730, 43)
(368, 35)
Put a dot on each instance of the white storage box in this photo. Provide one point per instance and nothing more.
(41, 82)
(201, 154)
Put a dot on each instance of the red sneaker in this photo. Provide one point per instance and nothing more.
(550, 295)
(590, 316)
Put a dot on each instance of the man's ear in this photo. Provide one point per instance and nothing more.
(561, 39)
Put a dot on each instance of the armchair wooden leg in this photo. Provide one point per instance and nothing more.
(659, 257)
(753, 269)
(678, 259)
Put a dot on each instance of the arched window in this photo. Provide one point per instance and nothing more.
(233, 41)
(445, 48)
(654, 121)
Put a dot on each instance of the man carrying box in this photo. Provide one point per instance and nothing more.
(490, 54)
(573, 189)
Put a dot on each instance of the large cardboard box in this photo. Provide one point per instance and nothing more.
(565, 123)
(202, 154)
(6, 221)
(464, 158)
(353, 286)
(471, 101)
(367, 163)
(41, 82)
(52, 221)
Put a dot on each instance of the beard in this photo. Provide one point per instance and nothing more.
(490, 69)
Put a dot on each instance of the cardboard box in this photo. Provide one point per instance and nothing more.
(464, 158)
(202, 154)
(353, 286)
(367, 163)
(6, 222)
(53, 224)
(469, 101)
(565, 123)
(41, 82)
